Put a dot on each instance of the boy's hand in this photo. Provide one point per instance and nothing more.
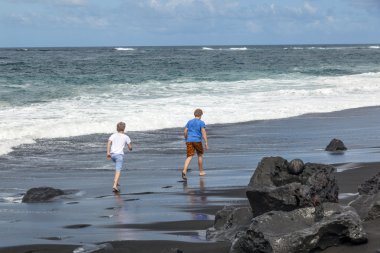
(206, 146)
(108, 157)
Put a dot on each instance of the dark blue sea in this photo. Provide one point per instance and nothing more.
(65, 92)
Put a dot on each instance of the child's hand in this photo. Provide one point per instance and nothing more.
(206, 146)
(108, 157)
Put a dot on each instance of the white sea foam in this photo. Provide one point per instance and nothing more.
(10, 197)
(156, 105)
(238, 48)
(374, 47)
(324, 48)
(314, 48)
(17, 199)
(124, 49)
(347, 195)
(229, 49)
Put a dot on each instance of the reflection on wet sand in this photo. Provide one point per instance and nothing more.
(197, 197)
(122, 217)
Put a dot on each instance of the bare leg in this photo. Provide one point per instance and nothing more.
(200, 165)
(187, 162)
(116, 179)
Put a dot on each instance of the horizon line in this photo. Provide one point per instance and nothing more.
(197, 45)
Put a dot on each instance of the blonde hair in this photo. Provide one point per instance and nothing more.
(198, 112)
(120, 126)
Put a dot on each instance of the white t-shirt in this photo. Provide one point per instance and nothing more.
(118, 142)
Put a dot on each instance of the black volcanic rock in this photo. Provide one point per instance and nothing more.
(336, 145)
(41, 194)
(228, 222)
(272, 187)
(367, 204)
(371, 186)
(293, 209)
(296, 231)
(296, 166)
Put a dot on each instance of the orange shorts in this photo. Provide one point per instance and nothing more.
(191, 147)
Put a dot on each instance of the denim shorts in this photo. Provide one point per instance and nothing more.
(118, 159)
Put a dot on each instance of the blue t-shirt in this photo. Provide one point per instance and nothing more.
(194, 127)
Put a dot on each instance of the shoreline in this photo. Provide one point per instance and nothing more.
(311, 115)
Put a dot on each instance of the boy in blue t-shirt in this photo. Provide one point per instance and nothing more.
(194, 131)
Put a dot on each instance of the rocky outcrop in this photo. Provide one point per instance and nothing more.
(228, 222)
(41, 194)
(293, 209)
(335, 145)
(296, 231)
(367, 204)
(272, 187)
(371, 186)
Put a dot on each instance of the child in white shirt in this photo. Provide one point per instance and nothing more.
(115, 151)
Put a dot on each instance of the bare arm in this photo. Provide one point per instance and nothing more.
(204, 135)
(109, 143)
(129, 146)
(185, 132)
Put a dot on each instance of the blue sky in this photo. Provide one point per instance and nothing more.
(30, 23)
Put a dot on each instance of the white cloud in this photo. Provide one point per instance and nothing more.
(169, 5)
(273, 8)
(330, 19)
(209, 5)
(191, 8)
(20, 18)
(309, 8)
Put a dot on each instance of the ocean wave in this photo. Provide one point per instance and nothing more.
(7, 63)
(11, 195)
(316, 48)
(144, 106)
(331, 47)
(11, 199)
(124, 49)
(238, 48)
(225, 49)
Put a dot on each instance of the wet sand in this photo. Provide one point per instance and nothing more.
(156, 210)
(348, 180)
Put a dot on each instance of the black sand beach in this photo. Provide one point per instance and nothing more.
(156, 211)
